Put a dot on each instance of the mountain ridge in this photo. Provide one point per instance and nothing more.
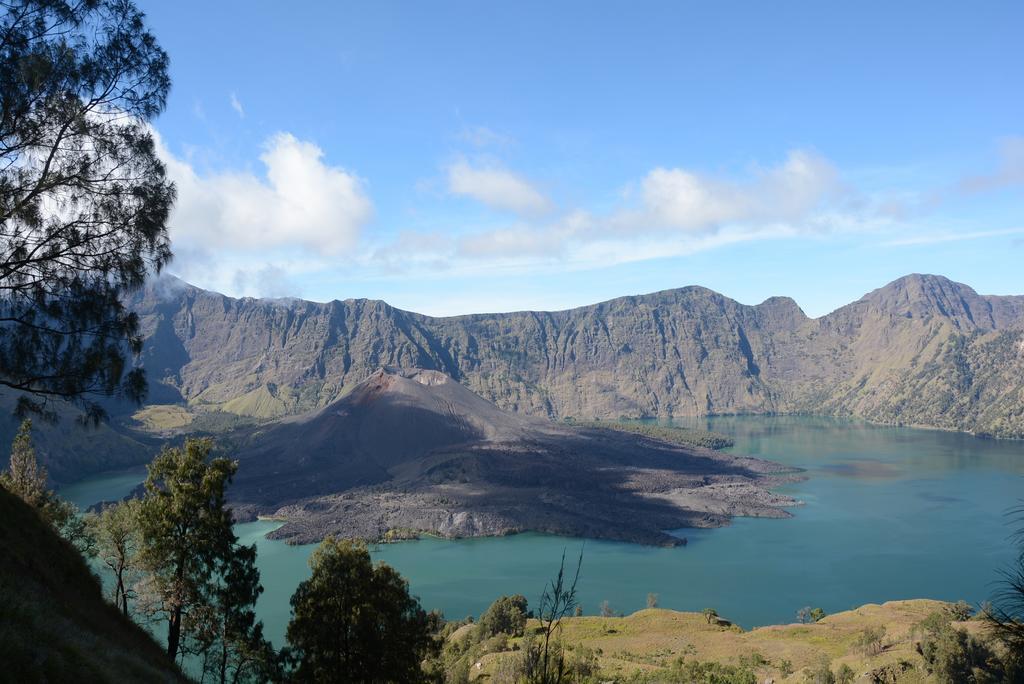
(169, 285)
(680, 352)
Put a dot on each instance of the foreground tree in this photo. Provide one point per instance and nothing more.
(27, 479)
(84, 199)
(224, 632)
(24, 477)
(1005, 616)
(356, 622)
(556, 603)
(116, 534)
(186, 532)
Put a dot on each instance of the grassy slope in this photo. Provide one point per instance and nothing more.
(55, 625)
(649, 640)
(163, 417)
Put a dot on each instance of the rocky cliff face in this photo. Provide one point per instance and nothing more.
(921, 350)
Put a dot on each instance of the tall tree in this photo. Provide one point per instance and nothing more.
(84, 199)
(186, 532)
(24, 476)
(27, 479)
(116, 534)
(224, 631)
(356, 621)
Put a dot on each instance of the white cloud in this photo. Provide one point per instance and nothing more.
(511, 242)
(301, 219)
(236, 105)
(497, 188)
(673, 211)
(681, 199)
(301, 202)
(298, 216)
(412, 250)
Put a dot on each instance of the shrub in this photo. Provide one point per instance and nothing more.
(952, 655)
(961, 611)
(821, 674)
(753, 660)
(807, 615)
(870, 640)
(507, 615)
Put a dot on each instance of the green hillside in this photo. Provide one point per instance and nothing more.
(55, 625)
(657, 645)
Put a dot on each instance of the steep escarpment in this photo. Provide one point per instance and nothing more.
(410, 451)
(921, 350)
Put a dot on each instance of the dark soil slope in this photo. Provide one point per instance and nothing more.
(55, 625)
(385, 423)
(411, 451)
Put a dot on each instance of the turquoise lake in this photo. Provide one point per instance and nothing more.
(888, 513)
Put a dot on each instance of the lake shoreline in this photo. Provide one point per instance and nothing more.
(929, 523)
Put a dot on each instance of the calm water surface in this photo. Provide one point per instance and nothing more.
(888, 513)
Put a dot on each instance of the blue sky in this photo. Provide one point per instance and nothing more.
(462, 156)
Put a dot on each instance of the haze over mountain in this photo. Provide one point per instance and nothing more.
(922, 350)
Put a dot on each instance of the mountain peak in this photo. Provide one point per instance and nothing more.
(921, 295)
(924, 281)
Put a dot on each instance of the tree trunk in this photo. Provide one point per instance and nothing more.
(120, 592)
(224, 652)
(174, 626)
(174, 633)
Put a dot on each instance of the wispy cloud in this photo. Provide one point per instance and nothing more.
(497, 188)
(1010, 170)
(673, 211)
(482, 136)
(949, 236)
(266, 233)
(681, 199)
(236, 105)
